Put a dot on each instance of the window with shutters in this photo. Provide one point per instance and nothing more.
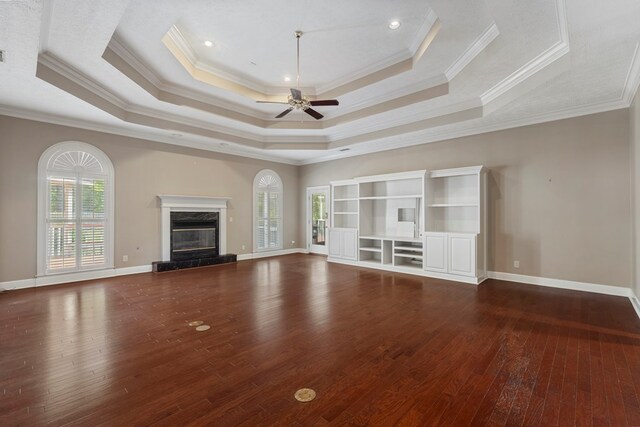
(75, 209)
(268, 191)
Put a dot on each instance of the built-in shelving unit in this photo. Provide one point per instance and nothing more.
(456, 222)
(414, 222)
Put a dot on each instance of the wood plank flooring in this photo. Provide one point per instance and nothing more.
(378, 348)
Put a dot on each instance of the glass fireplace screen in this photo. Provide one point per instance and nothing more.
(193, 239)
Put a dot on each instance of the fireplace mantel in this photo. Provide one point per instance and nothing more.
(173, 203)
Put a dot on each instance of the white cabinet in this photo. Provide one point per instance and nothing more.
(436, 252)
(451, 253)
(343, 243)
(462, 254)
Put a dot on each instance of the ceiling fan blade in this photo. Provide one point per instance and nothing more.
(296, 94)
(271, 102)
(324, 102)
(284, 113)
(313, 113)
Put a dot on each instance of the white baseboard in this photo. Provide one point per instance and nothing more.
(72, 277)
(562, 284)
(267, 254)
(635, 302)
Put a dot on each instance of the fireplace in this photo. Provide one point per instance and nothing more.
(194, 235)
(192, 232)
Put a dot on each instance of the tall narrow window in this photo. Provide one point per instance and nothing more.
(267, 189)
(75, 209)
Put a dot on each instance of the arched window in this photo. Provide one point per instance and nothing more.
(75, 209)
(267, 211)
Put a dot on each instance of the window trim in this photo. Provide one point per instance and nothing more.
(43, 204)
(256, 179)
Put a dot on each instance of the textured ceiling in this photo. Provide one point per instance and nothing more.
(453, 68)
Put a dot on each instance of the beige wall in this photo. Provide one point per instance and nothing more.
(559, 193)
(635, 167)
(143, 170)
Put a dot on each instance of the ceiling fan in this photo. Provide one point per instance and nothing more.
(296, 100)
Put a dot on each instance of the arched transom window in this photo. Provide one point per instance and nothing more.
(75, 209)
(268, 195)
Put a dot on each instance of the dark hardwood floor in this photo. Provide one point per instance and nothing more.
(378, 348)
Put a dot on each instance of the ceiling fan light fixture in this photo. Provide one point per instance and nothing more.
(394, 25)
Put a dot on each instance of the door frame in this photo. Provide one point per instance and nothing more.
(317, 249)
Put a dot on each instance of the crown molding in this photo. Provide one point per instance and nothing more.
(219, 146)
(549, 56)
(479, 44)
(206, 73)
(633, 77)
(71, 73)
(429, 135)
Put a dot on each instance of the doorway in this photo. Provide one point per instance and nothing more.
(317, 219)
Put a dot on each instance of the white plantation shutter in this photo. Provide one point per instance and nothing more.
(77, 208)
(268, 210)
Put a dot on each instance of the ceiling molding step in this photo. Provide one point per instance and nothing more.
(550, 55)
(429, 136)
(431, 122)
(116, 61)
(633, 78)
(57, 66)
(179, 47)
(45, 26)
(422, 91)
(474, 49)
(428, 31)
(221, 146)
(409, 119)
(67, 79)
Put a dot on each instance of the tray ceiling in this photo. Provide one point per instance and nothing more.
(453, 68)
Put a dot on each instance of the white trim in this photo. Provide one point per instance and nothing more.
(635, 303)
(633, 77)
(207, 145)
(562, 284)
(172, 203)
(478, 45)
(257, 178)
(549, 56)
(267, 254)
(307, 225)
(43, 201)
(60, 279)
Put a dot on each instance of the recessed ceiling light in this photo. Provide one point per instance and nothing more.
(287, 78)
(208, 43)
(394, 25)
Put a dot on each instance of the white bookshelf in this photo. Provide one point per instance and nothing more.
(421, 222)
(455, 234)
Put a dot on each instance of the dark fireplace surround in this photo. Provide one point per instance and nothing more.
(194, 235)
(194, 242)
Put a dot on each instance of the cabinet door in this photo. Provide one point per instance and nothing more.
(436, 252)
(350, 243)
(335, 242)
(462, 254)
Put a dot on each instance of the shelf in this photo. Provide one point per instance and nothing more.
(453, 205)
(408, 248)
(364, 263)
(408, 256)
(400, 238)
(345, 213)
(350, 199)
(410, 196)
(370, 249)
